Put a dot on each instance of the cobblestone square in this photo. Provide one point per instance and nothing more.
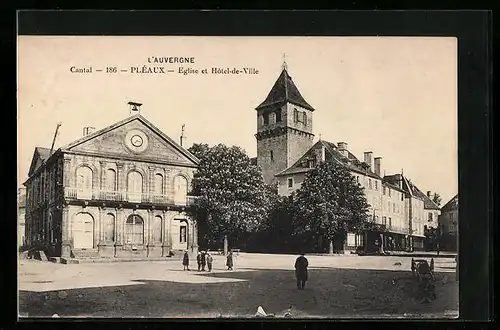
(338, 287)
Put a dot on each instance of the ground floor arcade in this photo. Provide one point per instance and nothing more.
(113, 231)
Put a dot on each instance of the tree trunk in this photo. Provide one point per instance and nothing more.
(225, 245)
(330, 250)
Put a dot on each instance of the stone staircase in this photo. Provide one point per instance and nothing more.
(85, 254)
(92, 256)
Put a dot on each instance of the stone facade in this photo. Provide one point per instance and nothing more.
(118, 192)
(21, 214)
(449, 223)
(285, 152)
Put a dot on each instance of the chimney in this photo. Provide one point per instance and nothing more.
(135, 108)
(377, 161)
(342, 146)
(88, 130)
(368, 159)
(429, 193)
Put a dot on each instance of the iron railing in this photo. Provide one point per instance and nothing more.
(119, 196)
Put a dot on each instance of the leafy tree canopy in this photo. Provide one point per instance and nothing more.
(330, 202)
(232, 196)
(437, 199)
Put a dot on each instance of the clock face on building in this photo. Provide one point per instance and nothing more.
(136, 140)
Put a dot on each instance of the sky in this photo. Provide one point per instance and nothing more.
(394, 96)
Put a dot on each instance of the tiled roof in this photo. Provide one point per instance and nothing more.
(451, 205)
(283, 91)
(428, 203)
(331, 154)
(40, 155)
(43, 152)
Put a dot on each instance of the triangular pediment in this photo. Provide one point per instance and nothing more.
(134, 137)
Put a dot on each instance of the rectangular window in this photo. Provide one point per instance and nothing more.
(295, 115)
(351, 239)
(384, 189)
(278, 116)
(376, 185)
(389, 192)
(183, 234)
(394, 207)
(304, 114)
(266, 119)
(271, 155)
(290, 182)
(312, 163)
(369, 183)
(430, 217)
(390, 222)
(357, 178)
(384, 220)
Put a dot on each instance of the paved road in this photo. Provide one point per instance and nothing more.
(339, 286)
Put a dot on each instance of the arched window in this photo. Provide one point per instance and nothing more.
(134, 230)
(156, 229)
(84, 182)
(180, 190)
(110, 180)
(158, 184)
(134, 186)
(109, 228)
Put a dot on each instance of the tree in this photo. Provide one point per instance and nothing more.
(233, 198)
(330, 203)
(437, 199)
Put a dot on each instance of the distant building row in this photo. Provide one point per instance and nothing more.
(286, 153)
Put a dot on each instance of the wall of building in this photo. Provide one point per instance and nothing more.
(288, 145)
(284, 189)
(418, 218)
(122, 168)
(161, 231)
(21, 226)
(393, 209)
(432, 218)
(279, 162)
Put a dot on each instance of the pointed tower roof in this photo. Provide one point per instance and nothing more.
(283, 91)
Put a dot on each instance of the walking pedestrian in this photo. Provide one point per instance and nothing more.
(209, 262)
(185, 260)
(203, 260)
(229, 261)
(198, 260)
(301, 271)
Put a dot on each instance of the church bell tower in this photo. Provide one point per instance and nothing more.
(284, 127)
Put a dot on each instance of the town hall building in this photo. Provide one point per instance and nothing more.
(118, 192)
(286, 152)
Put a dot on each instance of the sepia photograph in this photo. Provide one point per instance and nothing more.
(237, 177)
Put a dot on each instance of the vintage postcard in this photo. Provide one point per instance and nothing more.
(237, 177)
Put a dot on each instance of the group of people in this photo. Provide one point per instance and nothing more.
(205, 259)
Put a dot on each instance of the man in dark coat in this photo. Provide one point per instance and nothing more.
(203, 260)
(301, 271)
(185, 260)
(229, 262)
(198, 260)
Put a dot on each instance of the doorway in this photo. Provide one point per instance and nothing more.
(83, 231)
